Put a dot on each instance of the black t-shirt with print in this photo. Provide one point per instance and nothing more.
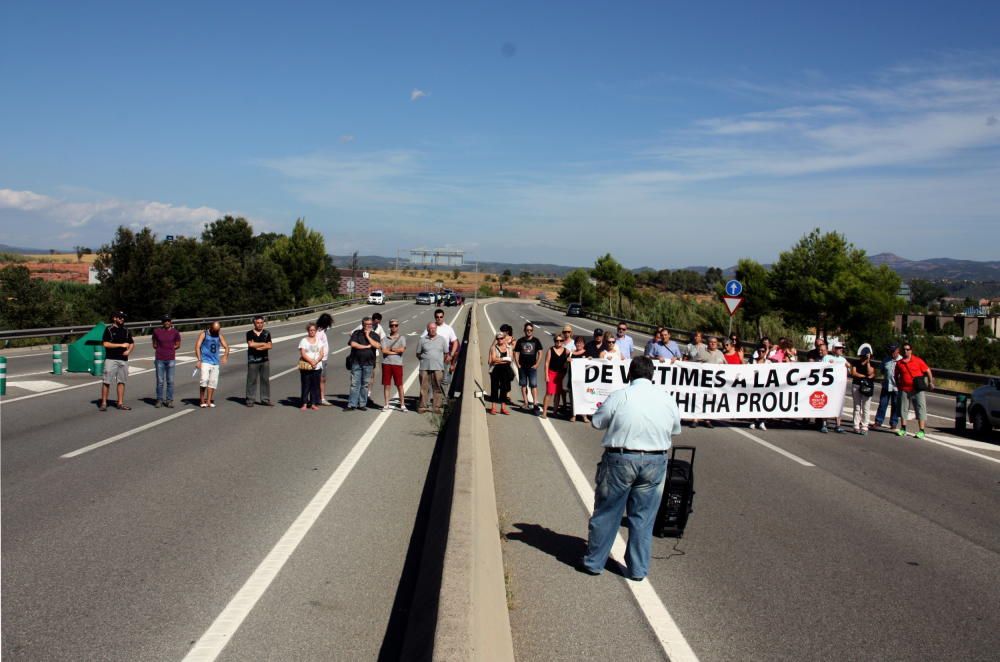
(117, 335)
(257, 355)
(528, 348)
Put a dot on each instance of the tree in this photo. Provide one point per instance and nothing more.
(80, 252)
(608, 273)
(713, 277)
(826, 282)
(26, 302)
(576, 287)
(302, 257)
(759, 299)
(123, 269)
(924, 292)
(232, 236)
(455, 273)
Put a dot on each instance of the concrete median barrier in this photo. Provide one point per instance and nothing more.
(473, 623)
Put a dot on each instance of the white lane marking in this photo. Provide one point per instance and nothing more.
(35, 385)
(780, 451)
(123, 435)
(222, 630)
(942, 442)
(669, 635)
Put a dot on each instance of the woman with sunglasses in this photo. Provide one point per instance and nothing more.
(610, 350)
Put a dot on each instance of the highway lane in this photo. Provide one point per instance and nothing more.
(884, 549)
(132, 550)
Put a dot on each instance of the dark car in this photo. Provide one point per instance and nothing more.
(454, 299)
(574, 310)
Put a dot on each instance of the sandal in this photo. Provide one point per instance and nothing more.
(124, 407)
(102, 407)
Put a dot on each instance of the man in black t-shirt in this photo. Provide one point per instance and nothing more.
(593, 347)
(528, 354)
(258, 365)
(118, 344)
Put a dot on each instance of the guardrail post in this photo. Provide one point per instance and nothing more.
(3, 375)
(57, 363)
(961, 411)
(98, 367)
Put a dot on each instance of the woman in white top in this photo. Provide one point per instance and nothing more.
(611, 351)
(311, 356)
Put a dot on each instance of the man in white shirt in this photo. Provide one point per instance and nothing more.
(640, 420)
(449, 334)
(625, 342)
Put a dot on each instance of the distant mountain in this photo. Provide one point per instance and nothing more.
(379, 262)
(4, 248)
(939, 268)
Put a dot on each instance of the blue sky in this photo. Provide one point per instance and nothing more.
(665, 133)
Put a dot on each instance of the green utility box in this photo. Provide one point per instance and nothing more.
(81, 352)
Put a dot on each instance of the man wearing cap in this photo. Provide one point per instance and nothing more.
(166, 341)
(837, 358)
(258, 362)
(639, 420)
(118, 344)
(889, 395)
(595, 345)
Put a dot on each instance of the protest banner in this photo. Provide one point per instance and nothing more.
(756, 390)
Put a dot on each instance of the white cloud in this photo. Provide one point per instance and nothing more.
(346, 138)
(33, 219)
(416, 94)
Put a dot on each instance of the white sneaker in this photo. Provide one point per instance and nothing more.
(403, 408)
(762, 426)
(753, 426)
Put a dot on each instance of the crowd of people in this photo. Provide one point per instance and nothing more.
(905, 377)
(436, 351)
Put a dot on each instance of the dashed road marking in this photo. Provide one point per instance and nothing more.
(123, 435)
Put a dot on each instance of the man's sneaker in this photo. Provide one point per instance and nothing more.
(838, 430)
(920, 434)
(901, 432)
(169, 404)
(762, 426)
(753, 426)
(159, 403)
(823, 429)
(249, 402)
(709, 425)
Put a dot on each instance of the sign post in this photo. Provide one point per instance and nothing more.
(733, 298)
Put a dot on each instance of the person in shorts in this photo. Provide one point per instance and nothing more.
(118, 344)
(392, 365)
(913, 378)
(212, 351)
(528, 355)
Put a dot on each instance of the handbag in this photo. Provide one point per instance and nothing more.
(920, 384)
(347, 362)
(305, 365)
(866, 387)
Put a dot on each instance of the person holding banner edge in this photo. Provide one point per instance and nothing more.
(640, 421)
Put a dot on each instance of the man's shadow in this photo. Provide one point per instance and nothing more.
(565, 548)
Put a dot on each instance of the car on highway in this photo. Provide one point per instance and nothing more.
(984, 407)
(454, 299)
(426, 298)
(377, 297)
(574, 310)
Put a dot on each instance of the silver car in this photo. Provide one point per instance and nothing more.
(984, 407)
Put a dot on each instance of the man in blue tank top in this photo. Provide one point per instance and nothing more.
(211, 351)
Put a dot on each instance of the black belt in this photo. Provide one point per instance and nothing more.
(628, 450)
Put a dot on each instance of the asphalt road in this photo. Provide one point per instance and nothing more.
(132, 550)
(842, 547)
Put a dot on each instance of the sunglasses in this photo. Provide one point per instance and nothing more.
(393, 324)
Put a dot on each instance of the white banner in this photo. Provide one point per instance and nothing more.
(767, 390)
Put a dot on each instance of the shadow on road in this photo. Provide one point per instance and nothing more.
(566, 548)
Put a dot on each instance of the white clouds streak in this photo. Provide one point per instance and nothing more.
(32, 219)
(417, 95)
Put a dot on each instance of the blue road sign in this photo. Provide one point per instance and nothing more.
(734, 288)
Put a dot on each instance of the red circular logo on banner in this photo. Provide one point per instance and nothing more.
(818, 400)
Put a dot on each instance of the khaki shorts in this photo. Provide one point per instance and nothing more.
(209, 376)
(115, 371)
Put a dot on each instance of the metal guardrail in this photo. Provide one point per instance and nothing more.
(80, 329)
(940, 373)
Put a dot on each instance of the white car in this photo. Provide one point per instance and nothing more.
(984, 407)
(377, 298)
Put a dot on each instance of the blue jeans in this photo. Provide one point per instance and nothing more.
(629, 483)
(164, 379)
(361, 376)
(885, 399)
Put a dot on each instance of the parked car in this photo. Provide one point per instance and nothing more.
(984, 407)
(454, 299)
(377, 297)
(427, 298)
(574, 310)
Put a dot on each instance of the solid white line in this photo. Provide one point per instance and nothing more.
(664, 627)
(123, 435)
(222, 630)
(940, 442)
(780, 451)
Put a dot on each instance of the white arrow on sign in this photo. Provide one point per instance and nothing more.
(733, 304)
